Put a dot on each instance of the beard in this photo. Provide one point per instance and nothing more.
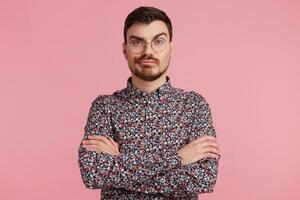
(147, 73)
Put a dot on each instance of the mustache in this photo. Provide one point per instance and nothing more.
(146, 57)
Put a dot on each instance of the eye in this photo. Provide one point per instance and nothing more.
(159, 41)
(135, 42)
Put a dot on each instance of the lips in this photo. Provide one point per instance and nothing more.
(147, 61)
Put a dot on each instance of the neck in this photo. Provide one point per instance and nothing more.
(148, 86)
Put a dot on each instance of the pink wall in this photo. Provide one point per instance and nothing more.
(57, 56)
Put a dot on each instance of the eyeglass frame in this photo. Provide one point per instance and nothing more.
(146, 43)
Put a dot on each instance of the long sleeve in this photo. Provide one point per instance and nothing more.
(99, 169)
(195, 178)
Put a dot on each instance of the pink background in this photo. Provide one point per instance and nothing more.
(57, 56)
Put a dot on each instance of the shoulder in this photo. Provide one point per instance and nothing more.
(187, 95)
(102, 99)
(102, 102)
(109, 98)
(195, 98)
(193, 95)
(196, 103)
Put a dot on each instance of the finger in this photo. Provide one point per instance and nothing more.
(210, 149)
(90, 142)
(210, 155)
(96, 136)
(113, 142)
(102, 138)
(208, 137)
(95, 140)
(99, 148)
(207, 143)
(213, 156)
(99, 143)
(92, 148)
(108, 143)
(204, 138)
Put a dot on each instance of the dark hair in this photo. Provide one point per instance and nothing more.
(146, 15)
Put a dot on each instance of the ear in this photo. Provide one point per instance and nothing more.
(124, 50)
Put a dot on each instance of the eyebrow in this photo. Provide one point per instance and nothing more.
(140, 38)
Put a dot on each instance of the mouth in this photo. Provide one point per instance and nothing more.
(147, 61)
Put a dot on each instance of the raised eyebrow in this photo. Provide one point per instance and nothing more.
(142, 39)
(163, 33)
(136, 37)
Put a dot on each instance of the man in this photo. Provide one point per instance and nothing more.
(149, 140)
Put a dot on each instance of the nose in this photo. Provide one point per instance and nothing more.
(148, 49)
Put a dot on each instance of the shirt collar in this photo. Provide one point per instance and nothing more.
(161, 92)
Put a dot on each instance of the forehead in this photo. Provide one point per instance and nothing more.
(147, 31)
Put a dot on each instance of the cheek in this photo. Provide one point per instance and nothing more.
(131, 58)
(165, 58)
(131, 61)
(166, 54)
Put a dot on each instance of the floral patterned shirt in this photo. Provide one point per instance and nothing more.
(149, 129)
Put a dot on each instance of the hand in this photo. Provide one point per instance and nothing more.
(204, 146)
(101, 144)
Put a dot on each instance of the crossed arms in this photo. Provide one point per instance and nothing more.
(160, 172)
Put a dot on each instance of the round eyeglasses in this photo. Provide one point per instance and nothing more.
(138, 46)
